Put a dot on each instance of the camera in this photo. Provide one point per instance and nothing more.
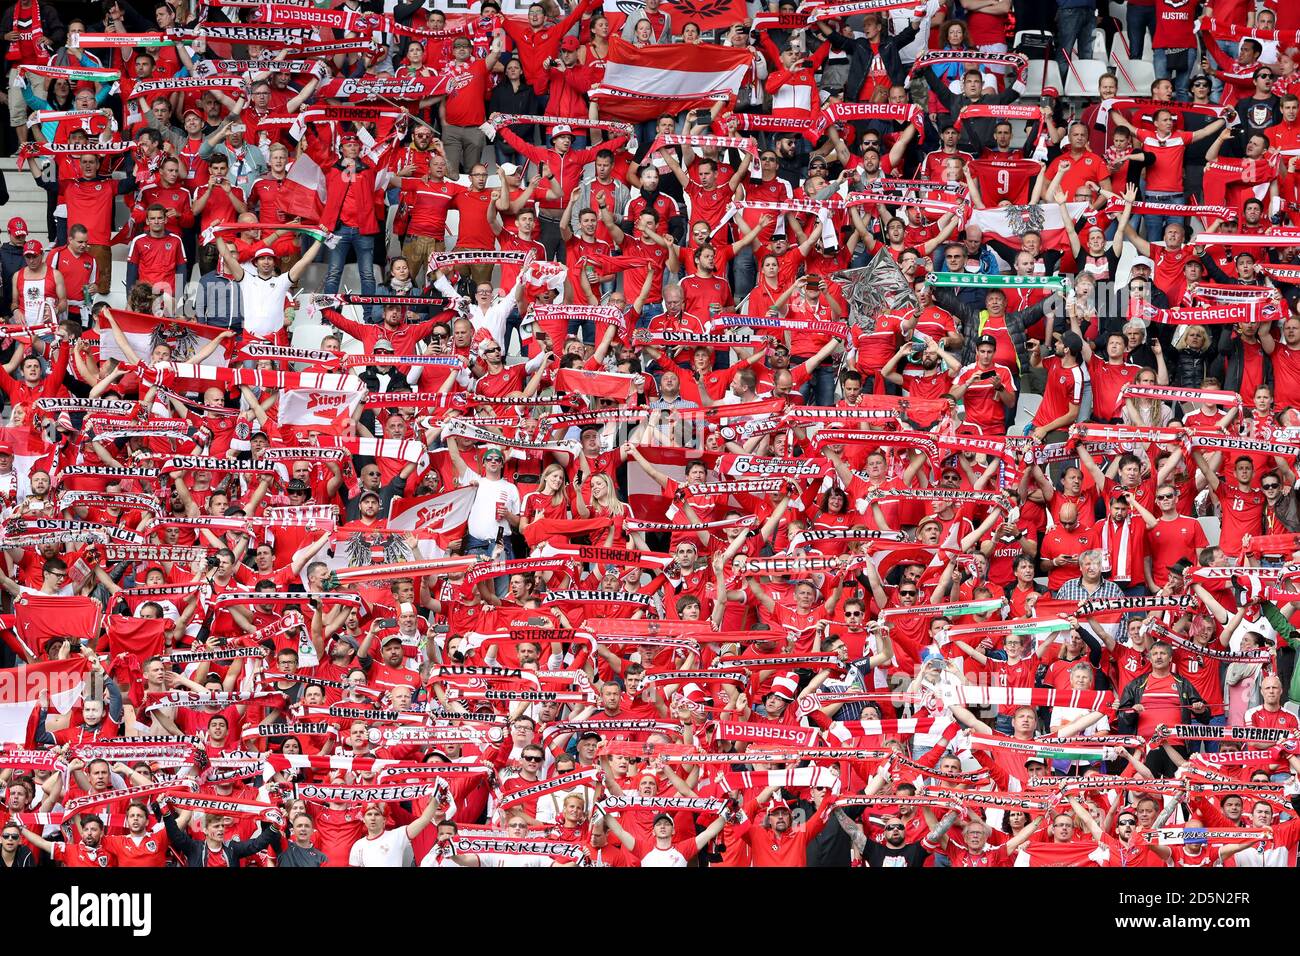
(213, 561)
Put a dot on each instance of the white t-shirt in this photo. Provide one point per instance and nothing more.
(669, 857)
(263, 302)
(392, 848)
(483, 523)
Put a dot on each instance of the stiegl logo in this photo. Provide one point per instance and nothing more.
(78, 910)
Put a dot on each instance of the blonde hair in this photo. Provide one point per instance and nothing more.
(1182, 341)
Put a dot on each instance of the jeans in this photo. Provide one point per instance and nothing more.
(363, 248)
(1216, 83)
(1141, 21)
(1175, 65)
(744, 272)
(1153, 227)
(820, 389)
(484, 547)
(651, 310)
(1074, 27)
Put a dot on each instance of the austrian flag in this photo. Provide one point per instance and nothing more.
(643, 83)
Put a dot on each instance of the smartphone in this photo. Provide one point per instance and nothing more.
(988, 375)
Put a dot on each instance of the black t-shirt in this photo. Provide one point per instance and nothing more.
(22, 858)
(910, 855)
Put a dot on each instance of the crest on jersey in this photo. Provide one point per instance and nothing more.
(151, 846)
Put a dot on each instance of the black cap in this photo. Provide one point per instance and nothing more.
(298, 485)
(369, 493)
(663, 816)
(986, 340)
(1073, 343)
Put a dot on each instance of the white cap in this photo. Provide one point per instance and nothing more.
(507, 169)
(563, 129)
(406, 607)
(1142, 261)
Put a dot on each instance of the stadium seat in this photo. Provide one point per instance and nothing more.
(1026, 409)
(1135, 76)
(1210, 525)
(1082, 77)
(1040, 75)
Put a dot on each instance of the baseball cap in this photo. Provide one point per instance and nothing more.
(494, 452)
(662, 816)
(18, 228)
(369, 494)
(570, 43)
(383, 345)
(33, 247)
(264, 251)
(562, 129)
(393, 637)
(299, 486)
(349, 138)
(986, 340)
(6, 449)
(1051, 92)
(1142, 261)
(1072, 342)
(507, 169)
(1034, 758)
(194, 111)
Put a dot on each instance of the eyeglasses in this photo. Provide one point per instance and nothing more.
(1171, 497)
(853, 614)
(532, 759)
(1269, 487)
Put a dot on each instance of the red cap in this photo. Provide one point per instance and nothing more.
(32, 247)
(6, 449)
(570, 43)
(350, 138)
(192, 110)
(17, 228)
(264, 251)
(1051, 91)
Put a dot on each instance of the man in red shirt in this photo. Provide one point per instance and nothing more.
(1241, 503)
(708, 198)
(156, 257)
(462, 110)
(77, 266)
(428, 200)
(986, 388)
(1174, 538)
(474, 231)
(645, 250)
(537, 44)
(1285, 358)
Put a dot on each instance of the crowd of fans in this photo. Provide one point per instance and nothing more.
(877, 456)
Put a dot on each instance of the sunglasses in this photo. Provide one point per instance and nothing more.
(894, 826)
(1171, 497)
(1269, 487)
(853, 614)
(907, 594)
(532, 759)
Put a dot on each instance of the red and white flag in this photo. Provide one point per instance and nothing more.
(1009, 224)
(642, 83)
(21, 689)
(326, 410)
(303, 192)
(444, 516)
(144, 333)
(580, 381)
